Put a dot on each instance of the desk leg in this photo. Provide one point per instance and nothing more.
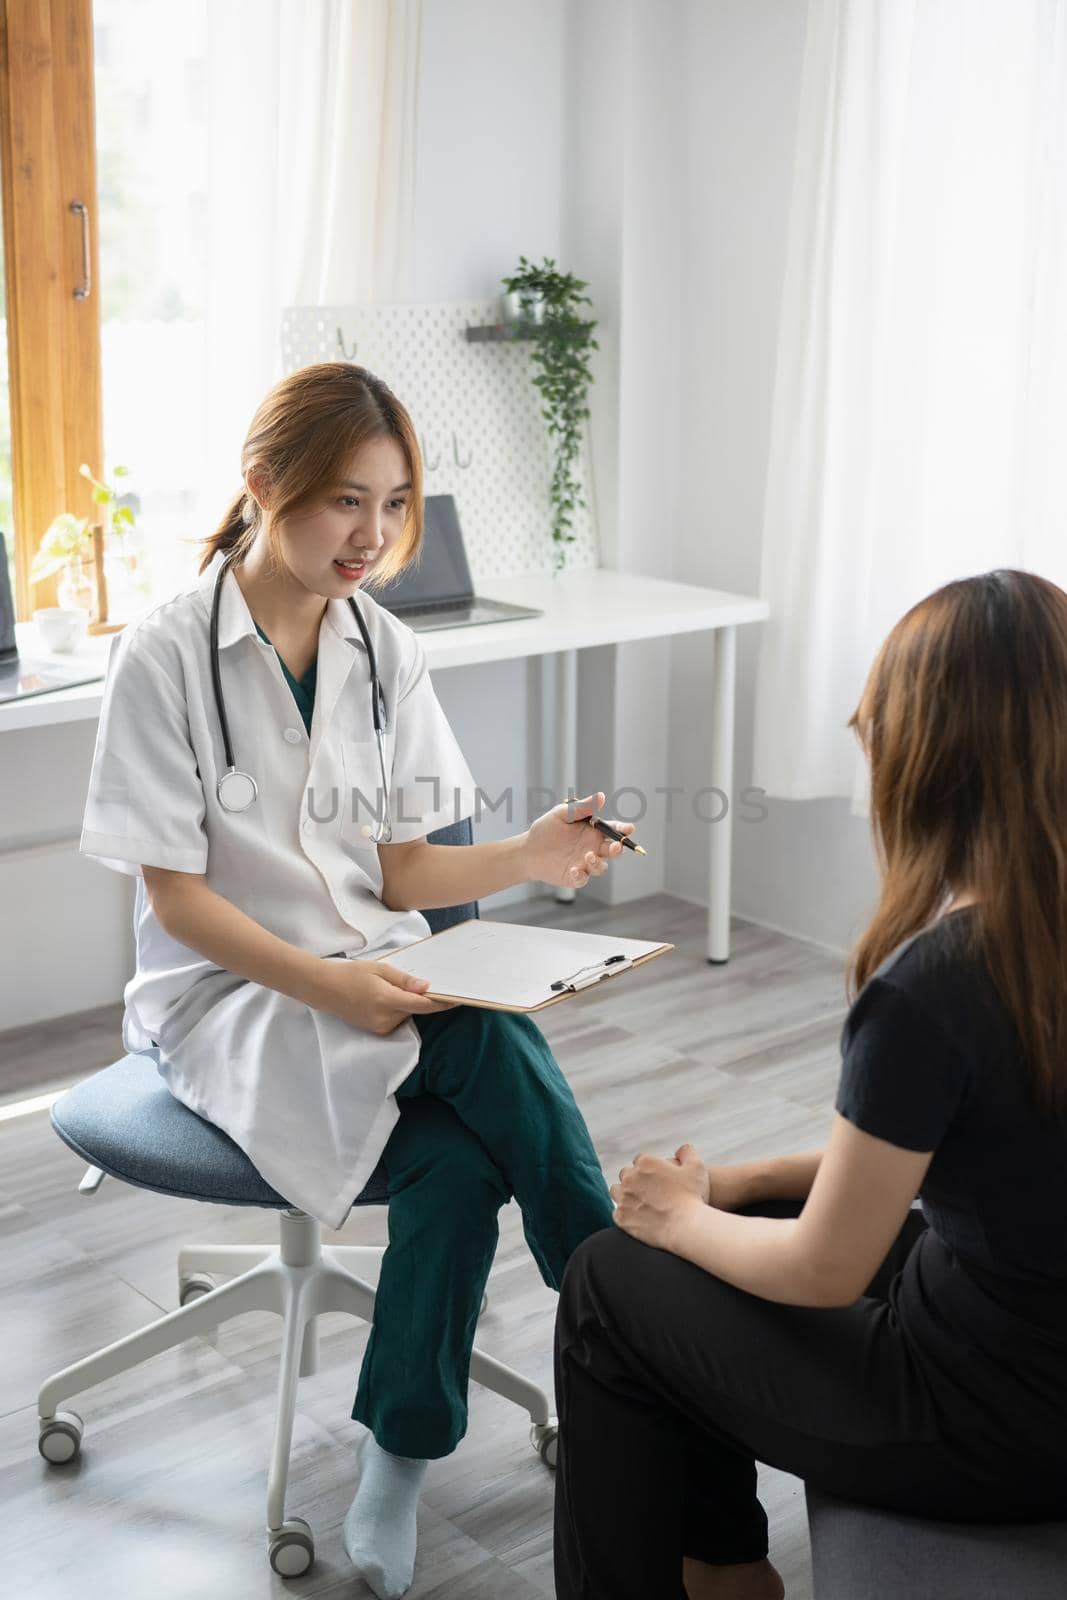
(566, 763)
(722, 778)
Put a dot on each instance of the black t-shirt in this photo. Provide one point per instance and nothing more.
(931, 1061)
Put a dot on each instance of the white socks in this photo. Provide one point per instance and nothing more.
(379, 1531)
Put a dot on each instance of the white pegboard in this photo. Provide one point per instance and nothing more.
(477, 414)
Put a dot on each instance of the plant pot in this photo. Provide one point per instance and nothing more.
(523, 305)
(76, 589)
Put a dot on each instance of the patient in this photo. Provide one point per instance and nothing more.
(798, 1311)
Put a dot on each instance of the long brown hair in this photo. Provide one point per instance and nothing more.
(964, 720)
(304, 434)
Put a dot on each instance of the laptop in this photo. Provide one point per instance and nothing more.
(21, 677)
(438, 593)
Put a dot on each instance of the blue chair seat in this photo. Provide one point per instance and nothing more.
(125, 1121)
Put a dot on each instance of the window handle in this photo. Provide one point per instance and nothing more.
(83, 289)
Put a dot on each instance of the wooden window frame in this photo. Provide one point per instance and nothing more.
(48, 161)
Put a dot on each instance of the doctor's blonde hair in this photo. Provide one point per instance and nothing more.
(303, 436)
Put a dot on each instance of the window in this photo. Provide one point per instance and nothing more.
(103, 104)
(151, 154)
(7, 525)
(47, 161)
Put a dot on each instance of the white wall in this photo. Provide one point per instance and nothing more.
(490, 142)
(66, 937)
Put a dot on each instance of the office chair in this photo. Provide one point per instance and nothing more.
(125, 1122)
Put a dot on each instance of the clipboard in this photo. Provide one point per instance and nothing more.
(509, 966)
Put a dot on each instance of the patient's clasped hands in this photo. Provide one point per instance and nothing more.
(563, 850)
(654, 1197)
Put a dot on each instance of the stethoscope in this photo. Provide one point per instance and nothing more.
(236, 789)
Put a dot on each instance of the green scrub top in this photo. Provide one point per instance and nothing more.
(303, 691)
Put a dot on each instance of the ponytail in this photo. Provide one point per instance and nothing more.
(237, 528)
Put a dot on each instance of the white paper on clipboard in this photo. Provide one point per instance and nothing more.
(512, 966)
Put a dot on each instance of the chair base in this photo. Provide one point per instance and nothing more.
(299, 1281)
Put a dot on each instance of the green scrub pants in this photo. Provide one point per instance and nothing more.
(486, 1115)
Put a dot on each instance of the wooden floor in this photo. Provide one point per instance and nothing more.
(168, 1496)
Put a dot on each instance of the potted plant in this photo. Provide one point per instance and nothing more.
(121, 539)
(561, 357)
(67, 546)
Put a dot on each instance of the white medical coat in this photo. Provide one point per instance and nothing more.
(308, 1097)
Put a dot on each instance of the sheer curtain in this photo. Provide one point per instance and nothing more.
(918, 431)
(311, 127)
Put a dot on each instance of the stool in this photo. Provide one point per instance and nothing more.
(861, 1552)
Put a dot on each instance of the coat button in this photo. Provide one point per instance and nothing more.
(291, 736)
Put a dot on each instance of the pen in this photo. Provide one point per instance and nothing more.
(596, 969)
(613, 833)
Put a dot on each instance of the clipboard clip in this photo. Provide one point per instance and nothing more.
(585, 976)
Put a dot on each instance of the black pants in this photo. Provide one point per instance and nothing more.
(671, 1384)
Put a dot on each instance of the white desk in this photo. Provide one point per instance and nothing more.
(581, 609)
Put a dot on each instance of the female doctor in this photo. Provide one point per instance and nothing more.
(270, 758)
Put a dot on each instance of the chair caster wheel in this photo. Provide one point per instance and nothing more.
(194, 1287)
(544, 1437)
(60, 1438)
(292, 1548)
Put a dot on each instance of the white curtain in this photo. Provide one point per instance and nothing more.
(311, 129)
(919, 430)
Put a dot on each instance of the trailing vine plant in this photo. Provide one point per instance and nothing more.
(563, 343)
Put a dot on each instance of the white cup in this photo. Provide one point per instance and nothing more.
(61, 628)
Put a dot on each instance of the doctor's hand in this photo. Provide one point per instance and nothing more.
(375, 996)
(562, 849)
(655, 1196)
